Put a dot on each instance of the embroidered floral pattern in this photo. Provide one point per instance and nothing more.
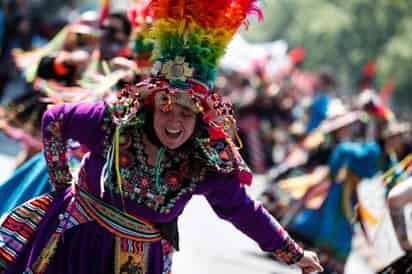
(290, 252)
(221, 156)
(55, 153)
(172, 180)
(138, 178)
(180, 171)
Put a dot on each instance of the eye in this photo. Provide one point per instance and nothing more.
(187, 114)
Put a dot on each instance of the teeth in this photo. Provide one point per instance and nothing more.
(173, 131)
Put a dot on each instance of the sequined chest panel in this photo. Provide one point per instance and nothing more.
(160, 187)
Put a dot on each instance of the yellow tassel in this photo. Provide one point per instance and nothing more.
(238, 139)
(366, 215)
(346, 202)
(117, 251)
(117, 165)
(388, 174)
(47, 253)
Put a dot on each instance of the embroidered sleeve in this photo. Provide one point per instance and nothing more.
(55, 153)
(81, 122)
(290, 252)
(230, 202)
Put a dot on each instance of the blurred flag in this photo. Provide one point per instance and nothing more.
(104, 10)
(368, 75)
(386, 92)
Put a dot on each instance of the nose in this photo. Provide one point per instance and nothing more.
(174, 117)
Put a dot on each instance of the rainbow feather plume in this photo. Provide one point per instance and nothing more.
(197, 30)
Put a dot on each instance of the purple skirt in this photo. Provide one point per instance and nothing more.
(83, 249)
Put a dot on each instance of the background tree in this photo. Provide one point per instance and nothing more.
(345, 35)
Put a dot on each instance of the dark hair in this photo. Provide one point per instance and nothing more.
(148, 126)
(126, 26)
(327, 76)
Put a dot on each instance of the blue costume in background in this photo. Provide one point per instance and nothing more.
(359, 158)
(328, 226)
(27, 182)
(1, 27)
(318, 111)
(30, 181)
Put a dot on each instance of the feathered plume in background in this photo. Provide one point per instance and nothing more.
(104, 10)
(141, 17)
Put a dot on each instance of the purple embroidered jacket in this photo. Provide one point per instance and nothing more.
(85, 123)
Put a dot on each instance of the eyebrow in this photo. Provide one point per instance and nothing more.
(187, 109)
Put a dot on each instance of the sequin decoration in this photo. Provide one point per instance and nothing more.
(55, 153)
(138, 177)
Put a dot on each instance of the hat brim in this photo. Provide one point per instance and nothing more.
(341, 121)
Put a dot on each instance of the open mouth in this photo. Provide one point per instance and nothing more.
(173, 133)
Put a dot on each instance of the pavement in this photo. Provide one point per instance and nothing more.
(210, 245)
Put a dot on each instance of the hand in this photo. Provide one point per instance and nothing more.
(79, 57)
(75, 58)
(119, 63)
(310, 263)
(297, 157)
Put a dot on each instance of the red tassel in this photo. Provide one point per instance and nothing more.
(297, 55)
(216, 133)
(245, 178)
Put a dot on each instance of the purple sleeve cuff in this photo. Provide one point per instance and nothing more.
(230, 202)
(290, 252)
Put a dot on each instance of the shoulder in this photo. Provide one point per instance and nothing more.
(217, 181)
(220, 157)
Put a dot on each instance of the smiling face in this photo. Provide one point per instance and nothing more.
(174, 126)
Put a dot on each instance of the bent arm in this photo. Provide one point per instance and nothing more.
(230, 202)
(81, 122)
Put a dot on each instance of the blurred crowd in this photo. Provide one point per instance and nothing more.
(314, 142)
(318, 147)
(22, 26)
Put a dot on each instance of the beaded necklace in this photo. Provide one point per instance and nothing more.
(158, 187)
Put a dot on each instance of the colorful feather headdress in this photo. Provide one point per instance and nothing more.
(190, 36)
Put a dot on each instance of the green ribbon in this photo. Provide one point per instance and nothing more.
(159, 158)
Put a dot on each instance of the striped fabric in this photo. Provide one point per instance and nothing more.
(86, 208)
(117, 222)
(168, 251)
(19, 226)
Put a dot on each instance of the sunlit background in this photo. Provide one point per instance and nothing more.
(342, 34)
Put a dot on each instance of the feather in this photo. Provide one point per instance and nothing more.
(208, 14)
(104, 10)
(198, 30)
